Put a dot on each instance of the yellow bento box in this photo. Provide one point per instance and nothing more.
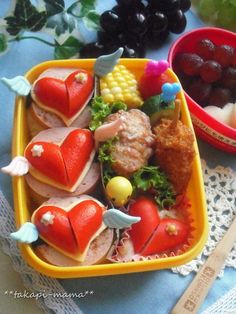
(22, 200)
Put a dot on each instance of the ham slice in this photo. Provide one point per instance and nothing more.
(39, 119)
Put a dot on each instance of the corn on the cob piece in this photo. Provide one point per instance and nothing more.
(120, 85)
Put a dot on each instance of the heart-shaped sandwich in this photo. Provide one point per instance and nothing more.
(61, 157)
(71, 224)
(62, 91)
(58, 162)
(76, 230)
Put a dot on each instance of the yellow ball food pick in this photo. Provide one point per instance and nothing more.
(119, 189)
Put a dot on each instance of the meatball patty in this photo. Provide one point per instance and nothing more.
(135, 139)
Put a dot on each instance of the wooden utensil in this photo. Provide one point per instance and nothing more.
(197, 291)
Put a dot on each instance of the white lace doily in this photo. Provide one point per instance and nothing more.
(220, 189)
(225, 305)
(37, 283)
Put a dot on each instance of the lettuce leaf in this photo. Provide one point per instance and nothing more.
(152, 179)
(100, 110)
(105, 158)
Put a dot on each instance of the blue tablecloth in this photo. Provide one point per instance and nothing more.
(151, 292)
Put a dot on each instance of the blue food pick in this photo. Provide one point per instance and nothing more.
(169, 91)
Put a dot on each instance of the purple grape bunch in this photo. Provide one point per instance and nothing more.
(134, 26)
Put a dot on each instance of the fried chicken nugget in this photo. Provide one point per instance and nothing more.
(174, 152)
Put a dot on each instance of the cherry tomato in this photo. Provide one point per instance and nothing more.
(150, 85)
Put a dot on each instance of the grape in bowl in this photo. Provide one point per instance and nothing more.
(208, 81)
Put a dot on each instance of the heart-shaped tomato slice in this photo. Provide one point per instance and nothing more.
(63, 164)
(66, 97)
(141, 232)
(169, 234)
(69, 231)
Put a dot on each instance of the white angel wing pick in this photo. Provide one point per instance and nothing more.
(114, 218)
(19, 166)
(105, 64)
(27, 233)
(19, 85)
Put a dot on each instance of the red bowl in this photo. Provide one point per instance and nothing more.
(206, 127)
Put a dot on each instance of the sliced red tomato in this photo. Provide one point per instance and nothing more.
(78, 92)
(76, 150)
(58, 231)
(141, 232)
(50, 162)
(85, 219)
(170, 234)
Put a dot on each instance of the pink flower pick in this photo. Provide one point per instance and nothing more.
(156, 68)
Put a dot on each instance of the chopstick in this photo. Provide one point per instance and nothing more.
(198, 289)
